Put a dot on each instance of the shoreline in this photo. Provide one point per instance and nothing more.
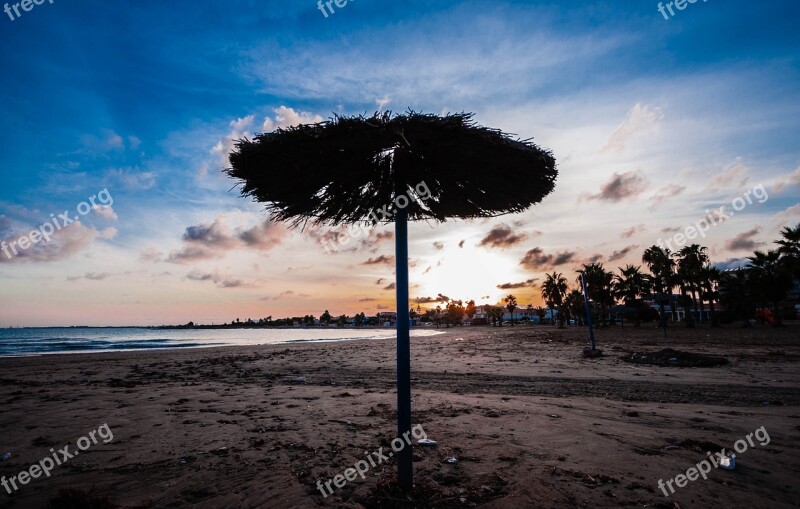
(421, 332)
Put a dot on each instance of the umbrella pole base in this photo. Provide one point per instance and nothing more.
(592, 354)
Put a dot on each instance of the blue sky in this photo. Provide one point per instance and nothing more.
(652, 122)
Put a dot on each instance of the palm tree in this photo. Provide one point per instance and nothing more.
(790, 249)
(497, 315)
(662, 269)
(599, 283)
(343, 170)
(360, 318)
(511, 306)
(325, 317)
(455, 312)
(554, 289)
(630, 285)
(574, 303)
(470, 309)
(735, 292)
(691, 260)
(709, 279)
(683, 277)
(770, 280)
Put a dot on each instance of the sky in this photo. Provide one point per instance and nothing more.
(136, 105)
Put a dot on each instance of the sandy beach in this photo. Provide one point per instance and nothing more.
(530, 422)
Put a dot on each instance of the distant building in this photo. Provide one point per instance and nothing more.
(520, 314)
(387, 317)
(674, 312)
(523, 315)
(481, 312)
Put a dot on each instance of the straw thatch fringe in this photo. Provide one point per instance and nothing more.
(340, 170)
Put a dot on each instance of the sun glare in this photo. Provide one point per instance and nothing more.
(464, 273)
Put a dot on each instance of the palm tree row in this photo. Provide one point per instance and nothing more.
(754, 291)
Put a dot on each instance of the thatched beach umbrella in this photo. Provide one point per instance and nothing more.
(349, 169)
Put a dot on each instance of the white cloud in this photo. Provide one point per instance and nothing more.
(734, 176)
(151, 254)
(91, 276)
(220, 280)
(108, 141)
(108, 233)
(287, 117)
(64, 243)
(106, 212)
(243, 127)
(790, 180)
(132, 178)
(115, 141)
(664, 194)
(788, 216)
(239, 129)
(398, 60)
(641, 119)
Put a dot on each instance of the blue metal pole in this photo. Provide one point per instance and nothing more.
(404, 457)
(588, 310)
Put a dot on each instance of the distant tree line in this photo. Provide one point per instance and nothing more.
(686, 280)
(359, 320)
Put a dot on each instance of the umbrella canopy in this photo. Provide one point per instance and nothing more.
(342, 170)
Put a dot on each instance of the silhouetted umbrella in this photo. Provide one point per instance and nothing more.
(346, 169)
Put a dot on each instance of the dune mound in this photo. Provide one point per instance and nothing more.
(669, 357)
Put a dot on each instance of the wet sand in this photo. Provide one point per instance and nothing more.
(531, 422)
